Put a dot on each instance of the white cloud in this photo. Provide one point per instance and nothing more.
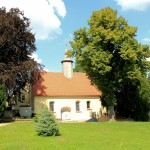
(44, 15)
(146, 39)
(134, 4)
(36, 58)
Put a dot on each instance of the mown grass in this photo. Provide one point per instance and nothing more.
(78, 136)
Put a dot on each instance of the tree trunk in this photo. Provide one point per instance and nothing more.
(112, 113)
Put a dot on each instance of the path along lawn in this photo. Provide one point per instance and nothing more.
(78, 136)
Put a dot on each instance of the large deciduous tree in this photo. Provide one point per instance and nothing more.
(17, 43)
(109, 53)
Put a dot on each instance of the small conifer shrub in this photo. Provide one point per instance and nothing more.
(45, 123)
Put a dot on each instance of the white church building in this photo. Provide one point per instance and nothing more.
(70, 95)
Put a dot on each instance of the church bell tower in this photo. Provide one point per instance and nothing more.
(67, 65)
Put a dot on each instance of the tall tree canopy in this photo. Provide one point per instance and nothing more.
(17, 43)
(109, 53)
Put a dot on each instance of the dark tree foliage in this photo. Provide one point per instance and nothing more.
(134, 101)
(17, 43)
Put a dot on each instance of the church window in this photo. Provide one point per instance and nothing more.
(51, 105)
(77, 106)
(88, 104)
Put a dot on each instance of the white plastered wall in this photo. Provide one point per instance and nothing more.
(82, 115)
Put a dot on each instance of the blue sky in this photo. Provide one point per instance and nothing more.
(54, 22)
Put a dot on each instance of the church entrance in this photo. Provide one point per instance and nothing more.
(66, 113)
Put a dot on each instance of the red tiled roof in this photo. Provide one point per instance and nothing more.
(56, 84)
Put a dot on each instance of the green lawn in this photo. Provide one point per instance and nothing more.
(78, 136)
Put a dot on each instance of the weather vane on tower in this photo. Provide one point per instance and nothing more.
(66, 44)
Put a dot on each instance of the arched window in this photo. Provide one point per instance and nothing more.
(51, 105)
(77, 106)
(88, 104)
